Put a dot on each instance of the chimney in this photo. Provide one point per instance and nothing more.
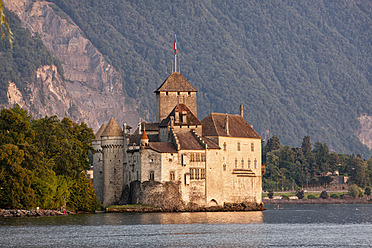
(227, 124)
(241, 110)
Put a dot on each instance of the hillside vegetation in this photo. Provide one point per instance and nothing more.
(299, 67)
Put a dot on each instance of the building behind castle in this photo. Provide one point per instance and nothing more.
(179, 160)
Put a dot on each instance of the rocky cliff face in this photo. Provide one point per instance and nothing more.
(365, 130)
(92, 90)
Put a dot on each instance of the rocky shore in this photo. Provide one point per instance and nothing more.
(150, 209)
(32, 213)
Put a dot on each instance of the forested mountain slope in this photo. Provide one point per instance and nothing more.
(299, 67)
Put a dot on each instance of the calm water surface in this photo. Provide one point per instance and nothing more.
(288, 226)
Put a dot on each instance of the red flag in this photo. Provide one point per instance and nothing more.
(175, 45)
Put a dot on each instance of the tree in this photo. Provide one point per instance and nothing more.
(273, 144)
(306, 146)
(355, 191)
(300, 194)
(271, 194)
(367, 191)
(324, 195)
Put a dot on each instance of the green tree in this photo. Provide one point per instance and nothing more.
(324, 195)
(300, 194)
(306, 146)
(367, 191)
(4, 25)
(355, 191)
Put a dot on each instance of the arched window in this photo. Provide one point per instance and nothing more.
(224, 166)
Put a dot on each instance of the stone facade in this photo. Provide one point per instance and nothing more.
(179, 161)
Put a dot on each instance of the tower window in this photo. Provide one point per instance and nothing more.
(151, 175)
(224, 166)
(172, 176)
(238, 146)
(252, 147)
(249, 163)
(224, 146)
(242, 163)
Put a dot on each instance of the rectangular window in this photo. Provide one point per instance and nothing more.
(151, 175)
(172, 176)
(242, 163)
(238, 146)
(192, 173)
(202, 173)
(249, 163)
(236, 163)
(224, 146)
(252, 147)
(255, 163)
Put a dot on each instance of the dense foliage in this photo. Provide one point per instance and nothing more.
(42, 162)
(19, 64)
(299, 67)
(302, 167)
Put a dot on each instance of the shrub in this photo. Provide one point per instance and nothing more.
(300, 194)
(271, 194)
(367, 191)
(355, 191)
(334, 196)
(324, 195)
(311, 197)
(285, 197)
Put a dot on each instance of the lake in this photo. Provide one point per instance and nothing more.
(334, 225)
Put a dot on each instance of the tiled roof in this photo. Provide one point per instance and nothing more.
(99, 132)
(136, 138)
(215, 125)
(210, 143)
(149, 127)
(144, 136)
(112, 129)
(162, 147)
(176, 82)
(191, 119)
(187, 141)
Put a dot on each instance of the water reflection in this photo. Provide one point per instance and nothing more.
(203, 218)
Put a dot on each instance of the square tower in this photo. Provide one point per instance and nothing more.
(174, 90)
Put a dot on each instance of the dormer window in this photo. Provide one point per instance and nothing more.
(189, 93)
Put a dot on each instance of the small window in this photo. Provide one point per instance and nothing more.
(189, 93)
(236, 163)
(166, 93)
(172, 176)
(178, 93)
(242, 163)
(151, 175)
(224, 166)
(255, 163)
(202, 173)
(249, 163)
(170, 160)
(151, 160)
(238, 146)
(224, 146)
(252, 147)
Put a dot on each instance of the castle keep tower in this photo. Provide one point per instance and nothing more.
(112, 142)
(174, 90)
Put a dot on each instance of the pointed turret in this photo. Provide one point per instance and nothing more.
(112, 130)
(144, 139)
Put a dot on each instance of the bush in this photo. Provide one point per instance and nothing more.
(355, 191)
(271, 194)
(334, 196)
(285, 197)
(324, 195)
(311, 197)
(300, 194)
(367, 191)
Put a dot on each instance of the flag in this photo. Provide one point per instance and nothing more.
(175, 45)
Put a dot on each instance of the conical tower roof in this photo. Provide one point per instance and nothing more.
(176, 82)
(144, 136)
(100, 131)
(112, 130)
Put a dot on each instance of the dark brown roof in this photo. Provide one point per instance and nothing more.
(210, 143)
(149, 127)
(162, 147)
(214, 125)
(187, 141)
(136, 138)
(191, 119)
(176, 82)
(112, 130)
(100, 131)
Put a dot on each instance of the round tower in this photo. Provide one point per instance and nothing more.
(98, 164)
(112, 142)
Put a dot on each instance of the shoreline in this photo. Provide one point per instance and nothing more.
(317, 201)
(5, 213)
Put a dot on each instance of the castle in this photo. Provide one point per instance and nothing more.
(178, 160)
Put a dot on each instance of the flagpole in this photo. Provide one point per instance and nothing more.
(175, 53)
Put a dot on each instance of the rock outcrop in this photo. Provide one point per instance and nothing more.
(92, 90)
(365, 130)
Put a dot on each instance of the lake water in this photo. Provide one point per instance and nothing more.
(288, 226)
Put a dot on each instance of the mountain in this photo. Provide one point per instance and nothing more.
(299, 67)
